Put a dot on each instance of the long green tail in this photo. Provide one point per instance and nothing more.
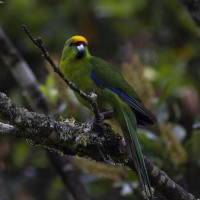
(135, 152)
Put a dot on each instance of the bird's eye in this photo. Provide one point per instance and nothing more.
(70, 44)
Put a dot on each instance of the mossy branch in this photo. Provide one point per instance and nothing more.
(71, 138)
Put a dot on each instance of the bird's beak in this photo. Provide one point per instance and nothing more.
(81, 50)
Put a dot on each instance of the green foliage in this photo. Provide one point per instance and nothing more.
(115, 8)
(50, 92)
(21, 149)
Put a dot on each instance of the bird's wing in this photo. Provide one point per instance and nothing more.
(105, 76)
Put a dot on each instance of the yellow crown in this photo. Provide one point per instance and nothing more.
(78, 38)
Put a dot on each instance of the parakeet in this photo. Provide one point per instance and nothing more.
(114, 94)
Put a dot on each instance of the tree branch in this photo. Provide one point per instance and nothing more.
(104, 145)
(64, 137)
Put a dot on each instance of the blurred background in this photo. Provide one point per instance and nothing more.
(154, 44)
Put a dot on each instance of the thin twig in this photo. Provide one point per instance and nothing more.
(90, 98)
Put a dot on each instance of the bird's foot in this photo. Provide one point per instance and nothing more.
(102, 116)
(107, 114)
(98, 123)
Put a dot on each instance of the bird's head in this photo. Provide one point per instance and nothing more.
(76, 48)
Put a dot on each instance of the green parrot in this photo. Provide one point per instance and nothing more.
(114, 95)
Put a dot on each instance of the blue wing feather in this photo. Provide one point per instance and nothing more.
(96, 80)
(143, 115)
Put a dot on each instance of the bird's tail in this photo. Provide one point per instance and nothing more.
(135, 152)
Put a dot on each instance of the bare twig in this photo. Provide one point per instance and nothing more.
(90, 98)
(81, 140)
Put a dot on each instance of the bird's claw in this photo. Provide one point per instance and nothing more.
(96, 123)
(102, 116)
